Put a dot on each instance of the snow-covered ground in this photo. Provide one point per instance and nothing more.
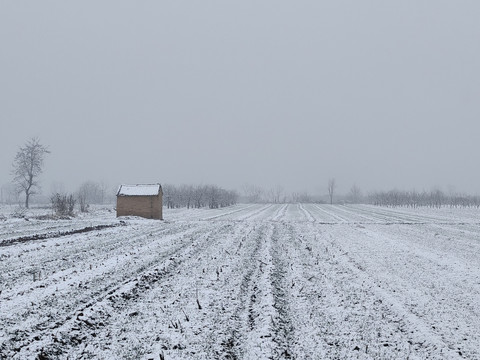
(246, 282)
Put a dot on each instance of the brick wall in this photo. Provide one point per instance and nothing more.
(149, 207)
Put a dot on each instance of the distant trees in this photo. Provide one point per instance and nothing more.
(301, 197)
(276, 195)
(9, 194)
(331, 189)
(253, 193)
(213, 196)
(434, 198)
(198, 196)
(91, 192)
(27, 167)
(355, 195)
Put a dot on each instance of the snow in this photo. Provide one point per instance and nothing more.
(139, 190)
(281, 281)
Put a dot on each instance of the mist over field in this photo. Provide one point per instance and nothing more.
(275, 93)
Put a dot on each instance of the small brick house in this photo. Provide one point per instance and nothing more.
(143, 200)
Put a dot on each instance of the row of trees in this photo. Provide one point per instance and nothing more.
(435, 198)
(277, 194)
(198, 196)
(9, 194)
(274, 195)
(91, 192)
(28, 166)
(29, 160)
(393, 198)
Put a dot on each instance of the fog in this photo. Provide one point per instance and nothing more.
(379, 94)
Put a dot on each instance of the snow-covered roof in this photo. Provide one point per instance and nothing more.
(139, 190)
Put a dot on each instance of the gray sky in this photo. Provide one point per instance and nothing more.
(381, 94)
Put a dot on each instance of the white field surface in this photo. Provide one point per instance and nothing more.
(245, 282)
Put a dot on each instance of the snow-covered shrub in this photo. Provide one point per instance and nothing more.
(63, 204)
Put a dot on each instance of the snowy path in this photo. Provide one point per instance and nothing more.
(296, 281)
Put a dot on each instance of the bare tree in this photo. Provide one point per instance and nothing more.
(103, 187)
(301, 197)
(355, 194)
(295, 197)
(186, 192)
(83, 196)
(213, 196)
(331, 189)
(199, 196)
(27, 167)
(276, 195)
(90, 192)
(279, 196)
(170, 194)
(9, 194)
(253, 193)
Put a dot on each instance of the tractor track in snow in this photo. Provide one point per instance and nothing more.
(307, 213)
(283, 325)
(242, 316)
(204, 288)
(280, 214)
(262, 317)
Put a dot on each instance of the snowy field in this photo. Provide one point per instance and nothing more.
(245, 282)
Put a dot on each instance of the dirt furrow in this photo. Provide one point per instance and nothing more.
(242, 319)
(53, 235)
(157, 288)
(247, 209)
(256, 214)
(280, 214)
(307, 213)
(282, 323)
(425, 283)
(183, 304)
(268, 282)
(42, 332)
(260, 324)
(328, 210)
(407, 332)
(75, 260)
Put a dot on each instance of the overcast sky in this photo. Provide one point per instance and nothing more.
(379, 93)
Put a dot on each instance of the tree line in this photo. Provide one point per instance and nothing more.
(434, 199)
(29, 160)
(278, 195)
(198, 196)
